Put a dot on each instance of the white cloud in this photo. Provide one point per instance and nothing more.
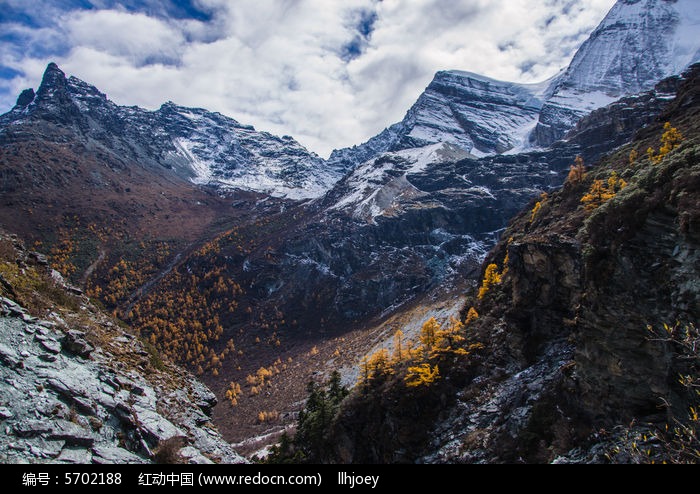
(280, 64)
(135, 37)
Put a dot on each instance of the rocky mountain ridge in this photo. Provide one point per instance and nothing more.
(473, 113)
(203, 147)
(145, 209)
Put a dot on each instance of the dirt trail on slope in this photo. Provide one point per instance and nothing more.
(91, 268)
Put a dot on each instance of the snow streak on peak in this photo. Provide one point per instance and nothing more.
(380, 186)
(224, 153)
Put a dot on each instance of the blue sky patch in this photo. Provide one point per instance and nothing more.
(364, 28)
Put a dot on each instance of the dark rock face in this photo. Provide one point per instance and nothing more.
(349, 158)
(616, 354)
(617, 123)
(553, 123)
(74, 342)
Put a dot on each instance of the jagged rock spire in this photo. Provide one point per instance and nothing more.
(53, 79)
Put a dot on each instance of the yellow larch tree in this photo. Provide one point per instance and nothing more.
(422, 375)
(491, 277)
(670, 140)
(472, 315)
(538, 205)
(429, 333)
(577, 172)
(633, 157)
(602, 191)
(375, 366)
(400, 352)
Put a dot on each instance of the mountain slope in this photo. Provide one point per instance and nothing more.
(77, 388)
(563, 352)
(103, 183)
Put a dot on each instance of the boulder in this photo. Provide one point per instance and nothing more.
(75, 456)
(194, 456)
(46, 449)
(9, 357)
(203, 397)
(51, 346)
(72, 434)
(32, 428)
(74, 342)
(154, 427)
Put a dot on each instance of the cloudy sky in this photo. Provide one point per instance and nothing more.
(331, 73)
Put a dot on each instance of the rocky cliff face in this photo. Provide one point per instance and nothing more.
(76, 388)
(567, 352)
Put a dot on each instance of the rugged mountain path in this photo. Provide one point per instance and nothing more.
(141, 291)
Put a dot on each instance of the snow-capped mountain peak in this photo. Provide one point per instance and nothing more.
(638, 43)
(477, 114)
(222, 152)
